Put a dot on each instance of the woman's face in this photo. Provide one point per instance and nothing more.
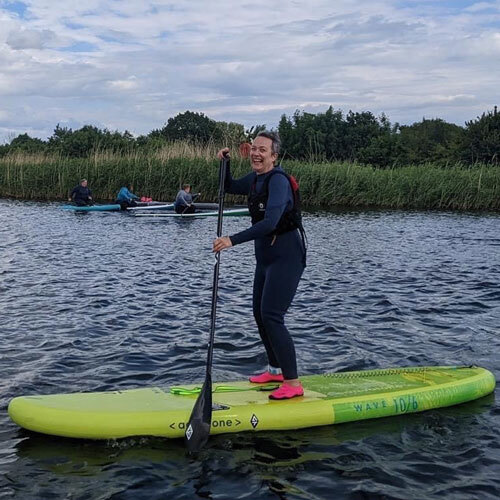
(261, 156)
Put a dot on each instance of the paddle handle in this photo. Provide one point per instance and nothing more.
(215, 287)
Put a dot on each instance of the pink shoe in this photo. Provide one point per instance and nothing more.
(265, 378)
(287, 391)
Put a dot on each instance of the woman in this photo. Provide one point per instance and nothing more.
(280, 250)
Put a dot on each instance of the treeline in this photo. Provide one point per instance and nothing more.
(188, 127)
(369, 140)
(358, 137)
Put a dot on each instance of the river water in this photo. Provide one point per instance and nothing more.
(101, 301)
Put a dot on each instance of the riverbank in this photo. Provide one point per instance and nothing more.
(427, 186)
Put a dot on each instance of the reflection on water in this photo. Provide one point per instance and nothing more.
(104, 301)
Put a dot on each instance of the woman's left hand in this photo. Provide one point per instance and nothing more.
(221, 243)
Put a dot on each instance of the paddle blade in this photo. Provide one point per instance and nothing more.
(198, 428)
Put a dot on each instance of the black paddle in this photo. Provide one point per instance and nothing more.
(187, 206)
(198, 428)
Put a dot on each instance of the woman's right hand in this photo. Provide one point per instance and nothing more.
(222, 153)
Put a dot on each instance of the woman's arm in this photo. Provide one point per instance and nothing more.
(237, 186)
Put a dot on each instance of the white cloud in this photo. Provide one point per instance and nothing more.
(133, 64)
(124, 85)
(31, 39)
(481, 6)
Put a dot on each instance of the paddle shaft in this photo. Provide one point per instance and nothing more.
(194, 198)
(215, 287)
(200, 421)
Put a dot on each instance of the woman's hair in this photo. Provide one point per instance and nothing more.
(275, 138)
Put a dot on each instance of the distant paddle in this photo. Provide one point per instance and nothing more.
(191, 204)
(198, 428)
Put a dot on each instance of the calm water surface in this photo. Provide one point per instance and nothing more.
(100, 301)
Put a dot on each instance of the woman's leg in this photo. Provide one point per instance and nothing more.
(258, 287)
(280, 284)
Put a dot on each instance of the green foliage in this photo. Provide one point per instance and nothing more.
(322, 184)
(411, 187)
(433, 141)
(230, 134)
(27, 144)
(251, 133)
(382, 152)
(330, 136)
(88, 140)
(482, 139)
(192, 127)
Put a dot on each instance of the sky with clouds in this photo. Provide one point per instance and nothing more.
(132, 64)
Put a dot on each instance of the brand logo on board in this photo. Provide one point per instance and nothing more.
(254, 421)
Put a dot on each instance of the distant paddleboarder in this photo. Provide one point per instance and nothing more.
(280, 251)
(126, 198)
(184, 201)
(81, 194)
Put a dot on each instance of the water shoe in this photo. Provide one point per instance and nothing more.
(287, 391)
(265, 378)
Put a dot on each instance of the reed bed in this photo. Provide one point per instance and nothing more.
(160, 174)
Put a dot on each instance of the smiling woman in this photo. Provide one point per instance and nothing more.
(280, 253)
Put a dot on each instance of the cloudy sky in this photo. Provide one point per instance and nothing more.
(132, 64)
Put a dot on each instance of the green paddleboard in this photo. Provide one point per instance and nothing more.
(241, 406)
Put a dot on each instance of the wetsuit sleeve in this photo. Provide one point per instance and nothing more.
(127, 194)
(237, 186)
(280, 195)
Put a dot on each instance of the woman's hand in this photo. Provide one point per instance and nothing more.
(221, 243)
(222, 153)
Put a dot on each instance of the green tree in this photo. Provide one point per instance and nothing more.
(312, 136)
(193, 127)
(360, 130)
(481, 140)
(382, 152)
(429, 141)
(27, 144)
(328, 136)
(83, 142)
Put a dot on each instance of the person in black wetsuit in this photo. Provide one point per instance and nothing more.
(280, 254)
(81, 194)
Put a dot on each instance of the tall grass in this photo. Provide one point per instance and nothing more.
(416, 187)
(160, 174)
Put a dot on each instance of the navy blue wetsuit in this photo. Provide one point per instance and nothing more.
(280, 264)
(81, 195)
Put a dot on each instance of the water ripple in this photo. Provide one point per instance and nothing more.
(104, 301)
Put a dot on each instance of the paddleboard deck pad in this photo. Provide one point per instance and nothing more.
(241, 406)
